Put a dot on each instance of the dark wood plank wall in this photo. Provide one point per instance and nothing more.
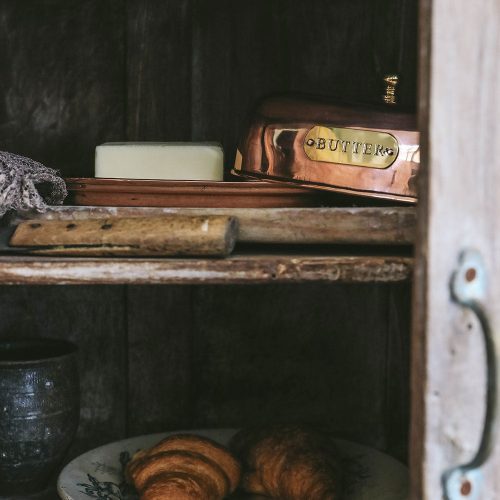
(158, 70)
(160, 339)
(76, 73)
(243, 355)
(62, 88)
(316, 353)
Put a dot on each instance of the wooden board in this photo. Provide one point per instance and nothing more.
(304, 226)
(459, 207)
(164, 236)
(236, 269)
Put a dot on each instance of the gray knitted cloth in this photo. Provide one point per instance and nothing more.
(27, 185)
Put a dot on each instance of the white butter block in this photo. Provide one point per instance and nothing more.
(160, 160)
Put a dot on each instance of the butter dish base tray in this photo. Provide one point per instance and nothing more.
(197, 194)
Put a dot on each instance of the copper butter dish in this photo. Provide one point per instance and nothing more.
(337, 147)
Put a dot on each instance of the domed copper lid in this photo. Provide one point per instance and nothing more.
(357, 150)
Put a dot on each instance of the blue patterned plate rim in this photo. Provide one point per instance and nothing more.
(98, 474)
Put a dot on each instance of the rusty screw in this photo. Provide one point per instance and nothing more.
(470, 274)
(466, 488)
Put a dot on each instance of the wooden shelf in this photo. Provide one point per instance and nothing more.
(236, 269)
(338, 225)
(266, 231)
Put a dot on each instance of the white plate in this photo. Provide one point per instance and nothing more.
(370, 475)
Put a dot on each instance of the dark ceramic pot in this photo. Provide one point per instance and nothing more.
(39, 411)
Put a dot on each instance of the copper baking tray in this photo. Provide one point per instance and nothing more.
(157, 193)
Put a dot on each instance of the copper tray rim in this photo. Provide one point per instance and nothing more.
(327, 188)
(85, 191)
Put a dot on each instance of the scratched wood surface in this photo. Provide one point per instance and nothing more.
(76, 73)
(240, 268)
(387, 226)
(458, 210)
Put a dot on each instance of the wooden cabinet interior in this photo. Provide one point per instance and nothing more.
(156, 358)
(77, 73)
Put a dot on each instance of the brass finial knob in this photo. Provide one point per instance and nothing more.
(390, 91)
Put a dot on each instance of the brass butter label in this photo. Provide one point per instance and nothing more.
(350, 146)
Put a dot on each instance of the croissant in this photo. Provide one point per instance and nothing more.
(206, 447)
(289, 463)
(184, 467)
(177, 486)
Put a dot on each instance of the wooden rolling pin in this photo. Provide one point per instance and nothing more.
(166, 235)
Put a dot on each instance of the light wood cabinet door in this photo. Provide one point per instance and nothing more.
(459, 211)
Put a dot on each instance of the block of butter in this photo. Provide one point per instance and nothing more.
(203, 161)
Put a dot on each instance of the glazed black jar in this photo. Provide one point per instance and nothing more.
(39, 411)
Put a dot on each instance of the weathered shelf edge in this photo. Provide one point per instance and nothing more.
(339, 225)
(252, 269)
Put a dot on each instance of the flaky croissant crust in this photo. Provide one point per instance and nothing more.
(288, 463)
